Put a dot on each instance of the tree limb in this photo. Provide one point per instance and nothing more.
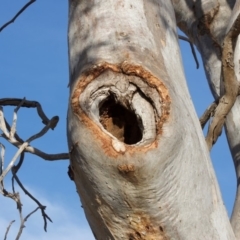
(192, 48)
(17, 14)
(27, 104)
(207, 114)
(17, 141)
(9, 133)
(230, 84)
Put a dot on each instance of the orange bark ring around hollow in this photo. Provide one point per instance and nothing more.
(127, 69)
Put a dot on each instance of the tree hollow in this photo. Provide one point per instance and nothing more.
(122, 123)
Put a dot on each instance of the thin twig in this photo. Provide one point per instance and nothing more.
(36, 151)
(18, 13)
(15, 134)
(18, 142)
(23, 221)
(2, 123)
(192, 48)
(2, 153)
(42, 208)
(13, 128)
(207, 114)
(51, 124)
(16, 168)
(10, 165)
(8, 228)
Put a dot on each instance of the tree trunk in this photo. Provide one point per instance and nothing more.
(138, 154)
(207, 25)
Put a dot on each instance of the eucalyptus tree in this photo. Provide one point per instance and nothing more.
(138, 155)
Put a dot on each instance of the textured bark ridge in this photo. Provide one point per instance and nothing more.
(125, 104)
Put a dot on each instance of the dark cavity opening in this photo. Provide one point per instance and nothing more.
(122, 123)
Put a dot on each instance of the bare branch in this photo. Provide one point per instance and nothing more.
(16, 168)
(192, 48)
(22, 223)
(20, 162)
(51, 124)
(16, 198)
(230, 82)
(13, 128)
(18, 13)
(9, 133)
(8, 228)
(27, 104)
(18, 142)
(207, 114)
(24, 220)
(2, 153)
(3, 124)
(10, 165)
(42, 208)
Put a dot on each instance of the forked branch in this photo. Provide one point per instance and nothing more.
(18, 141)
(9, 133)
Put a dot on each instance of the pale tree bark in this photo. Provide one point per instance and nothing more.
(207, 23)
(138, 155)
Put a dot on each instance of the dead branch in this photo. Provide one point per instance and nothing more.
(51, 124)
(40, 206)
(13, 128)
(192, 48)
(16, 197)
(9, 133)
(8, 228)
(10, 165)
(16, 168)
(15, 139)
(207, 114)
(22, 223)
(17, 14)
(27, 104)
(2, 153)
(230, 84)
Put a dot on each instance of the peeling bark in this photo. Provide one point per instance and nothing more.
(139, 159)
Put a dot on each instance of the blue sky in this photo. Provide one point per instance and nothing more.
(34, 64)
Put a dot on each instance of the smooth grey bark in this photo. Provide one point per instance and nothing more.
(138, 154)
(207, 26)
